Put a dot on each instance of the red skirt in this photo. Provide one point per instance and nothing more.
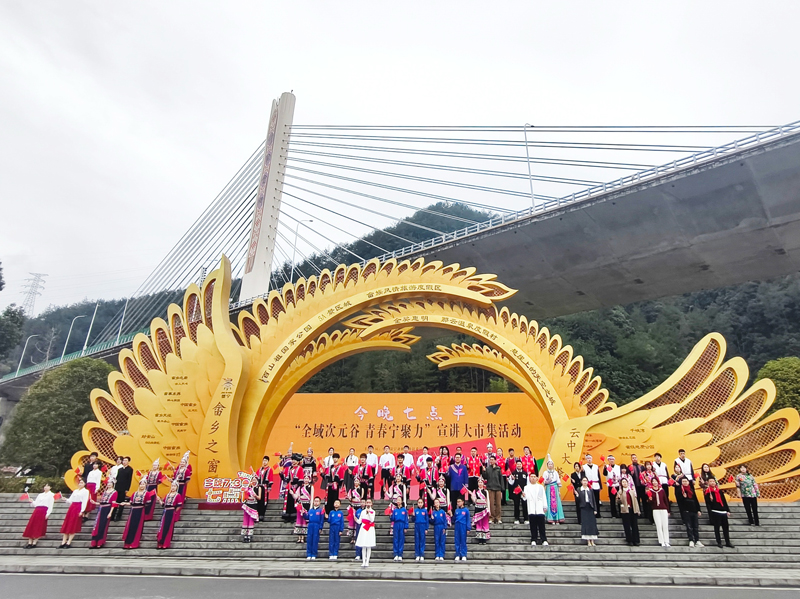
(72, 521)
(37, 525)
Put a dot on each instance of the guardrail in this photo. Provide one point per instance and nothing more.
(123, 340)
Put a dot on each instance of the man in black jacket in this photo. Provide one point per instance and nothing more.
(517, 480)
(87, 467)
(122, 486)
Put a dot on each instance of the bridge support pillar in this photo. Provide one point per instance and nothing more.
(267, 206)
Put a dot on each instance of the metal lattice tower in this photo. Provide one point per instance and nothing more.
(33, 287)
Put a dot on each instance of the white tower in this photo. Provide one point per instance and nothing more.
(258, 268)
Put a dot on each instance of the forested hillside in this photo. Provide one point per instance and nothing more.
(633, 348)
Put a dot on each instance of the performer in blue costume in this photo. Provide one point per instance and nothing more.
(335, 529)
(552, 491)
(399, 519)
(316, 520)
(420, 530)
(440, 522)
(462, 522)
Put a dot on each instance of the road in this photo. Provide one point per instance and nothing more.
(35, 586)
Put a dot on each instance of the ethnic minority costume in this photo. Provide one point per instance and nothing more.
(302, 499)
(103, 519)
(335, 477)
(461, 524)
(552, 482)
(421, 523)
(132, 535)
(77, 506)
(440, 522)
(315, 518)
(295, 482)
(366, 480)
(169, 517)
(265, 480)
(335, 529)
(399, 520)
(355, 505)
(250, 514)
(37, 523)
(481, 518)
(442, 495)
(153, 480)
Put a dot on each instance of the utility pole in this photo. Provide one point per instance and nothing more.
(23, 353)
(68, 334)
(33, 287)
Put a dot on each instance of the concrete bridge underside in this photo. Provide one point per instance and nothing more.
(724, 222)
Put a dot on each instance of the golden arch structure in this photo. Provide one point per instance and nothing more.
(202, 384)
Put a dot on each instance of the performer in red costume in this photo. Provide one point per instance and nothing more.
(133, 528)
(169, 517)
(107, 502)
(153, 479)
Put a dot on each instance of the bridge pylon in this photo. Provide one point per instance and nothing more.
(266, 209)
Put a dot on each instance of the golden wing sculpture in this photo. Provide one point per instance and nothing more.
(204, 384)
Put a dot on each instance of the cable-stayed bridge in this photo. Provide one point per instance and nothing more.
(575, 217)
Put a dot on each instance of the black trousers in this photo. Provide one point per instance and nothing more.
(261, 506)
(597, 501)
(333, 495)
(692, 524)
(116, 513)
(720, 521)
(630, 522)
(454, 495)
(751, 507)
(538, 532)
(520, 505)
(644, 506)
(386, 480)
(612, 500)
(368, 490)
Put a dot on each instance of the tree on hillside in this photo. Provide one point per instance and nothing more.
(45, 427)
(12, 321)
(2, 282)
(785, 373)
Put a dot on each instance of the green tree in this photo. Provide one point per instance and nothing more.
(498, 385)
(45, 427)
(12, 321)
(785, 373)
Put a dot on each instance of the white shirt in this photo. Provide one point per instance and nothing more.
(112, 473)
(351, 460)
(593, 474)
(372, 460)
(534, 495)
(45, 499)
(613, 480)
(422, 461)
(408, 459)
(387, 461)
(80, 496)
(327, 462)
(686, 467)
(661, 472)
(96, 477)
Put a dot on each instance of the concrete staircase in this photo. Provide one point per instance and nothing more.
(216, 534)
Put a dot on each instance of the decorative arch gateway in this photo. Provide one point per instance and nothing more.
(202, 384)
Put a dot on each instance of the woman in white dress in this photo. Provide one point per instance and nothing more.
(366, 535)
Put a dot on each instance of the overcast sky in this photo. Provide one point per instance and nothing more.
(121, 121)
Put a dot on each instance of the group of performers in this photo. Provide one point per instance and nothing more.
(447, 489)
(109, 505)
(477, 481)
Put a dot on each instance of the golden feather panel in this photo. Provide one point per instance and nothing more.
(202, 384)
